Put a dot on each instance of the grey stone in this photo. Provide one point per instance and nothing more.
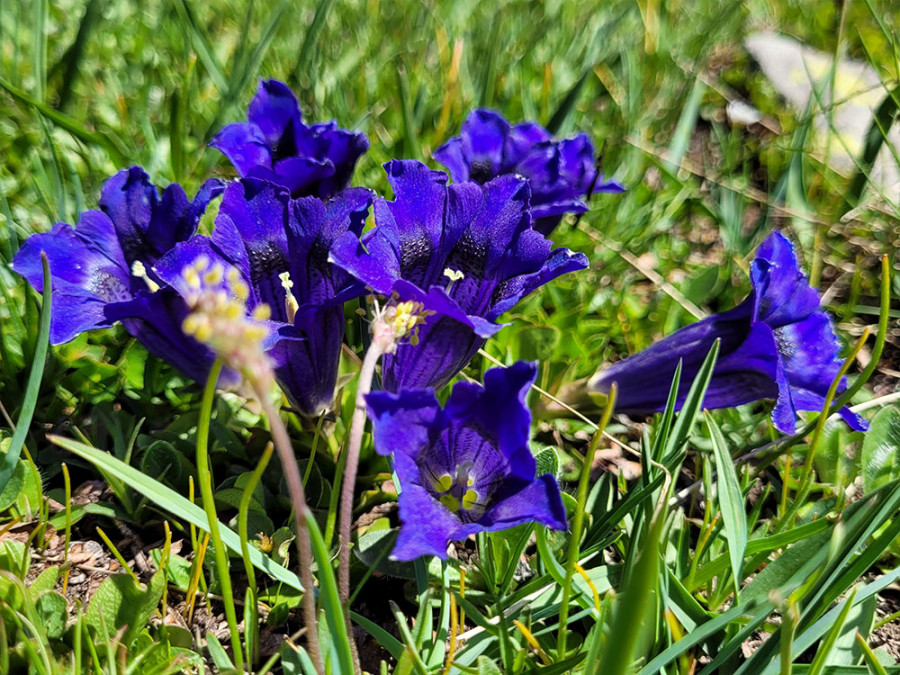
(795, 69)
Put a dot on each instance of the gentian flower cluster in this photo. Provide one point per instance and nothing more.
(466, 253)
(779, 343)
(274, 144)
(561, 173)
(103, 270)
(467, 467)
(279, 246)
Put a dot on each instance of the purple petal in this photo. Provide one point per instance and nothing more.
(522, 138)
(273, 111)
(404, 423)
(783, 294)
(245, 147)
(87, 271)
(427, 527)
(539, 502)
(300, 175)
(500, 405)
(484, 136)
(744, 372)
(561, 261)
(452, 155)
(250, 227)
(307, 368)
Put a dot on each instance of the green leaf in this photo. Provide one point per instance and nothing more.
(880, 457)
(731, 502)
(11, 457)
(217, 653)
(169, 500)
(487, 667)
(330, 599)
(547, 461)
(45, 582)
(119, 602)
(52, 611)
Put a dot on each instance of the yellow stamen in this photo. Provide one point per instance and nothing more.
(469, 499)
(450, 502)
(290, 302)
(138, 270)
(454, 276)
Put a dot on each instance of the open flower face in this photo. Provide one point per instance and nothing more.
(560, 172)
(103, 269)
(467, 467)
(778, 344)
(280, 247)
(464, 254)
(275, 144)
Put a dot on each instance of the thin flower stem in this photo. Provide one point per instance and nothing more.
(205, 480)
(298, 501)
(354, 443)
(578, 521)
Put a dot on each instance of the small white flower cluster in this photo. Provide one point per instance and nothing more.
(217, 297)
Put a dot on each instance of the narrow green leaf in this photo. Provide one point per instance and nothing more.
(692, 405)
(330, 599)
(305, 57)
(217, 653)
(567, 105)
(169, 500)
(684, 130)
(29, 402)
(113, 146)
(824, 651)
(382, 637)
(731, 502)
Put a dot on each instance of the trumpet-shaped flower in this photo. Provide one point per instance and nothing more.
(275, 144)
(778, 344)
(467, 467)
(279, 246)
(462, 254)
(102, 270)
(560, 172)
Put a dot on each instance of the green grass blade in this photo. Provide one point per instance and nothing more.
(684, 131)
(117, 152)
(693, 403)
(169, 500)
(70, 62)
(731, 502)
(11, 458)
(818, 664)
(330, 600)
(307, 52)
(567, 105)
(629, 616)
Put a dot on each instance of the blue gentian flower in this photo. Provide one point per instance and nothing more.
(778, 344)
(280, 246)
(275, 144)
(560, 172)
(465, 253)
(465, 468)
(103, 269)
